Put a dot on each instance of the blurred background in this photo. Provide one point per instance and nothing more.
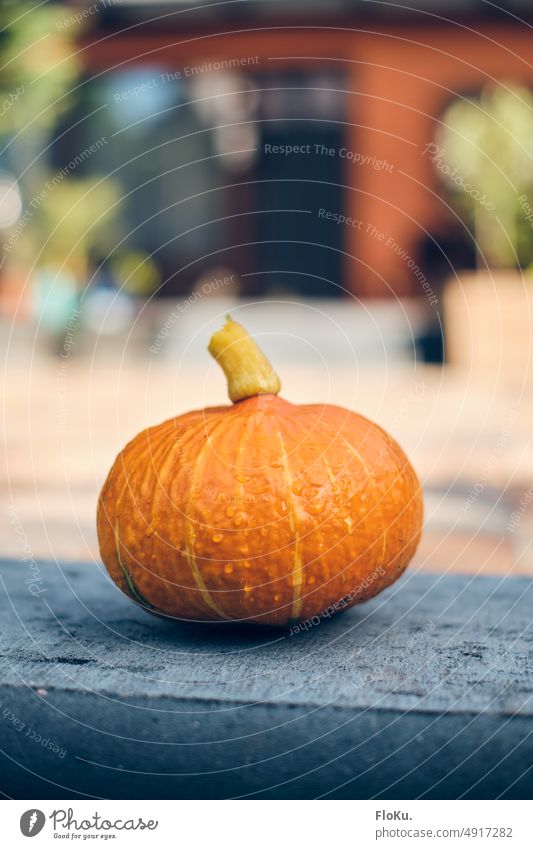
(352, 179)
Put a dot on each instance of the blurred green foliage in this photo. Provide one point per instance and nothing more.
(136, 272)
(42, 59)
(76, 220)
(67, 216)
(487, 144)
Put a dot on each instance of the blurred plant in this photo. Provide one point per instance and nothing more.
(39, 69)
(136, 273)
(75, 222)
(66, 216)
(486, 144)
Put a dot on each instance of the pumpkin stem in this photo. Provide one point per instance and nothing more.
(247, 370)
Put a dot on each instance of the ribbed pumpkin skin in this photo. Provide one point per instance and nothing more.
(263, 511)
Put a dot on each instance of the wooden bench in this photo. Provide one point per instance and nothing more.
(425, 691)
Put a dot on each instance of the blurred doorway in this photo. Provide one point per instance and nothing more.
(222, 170)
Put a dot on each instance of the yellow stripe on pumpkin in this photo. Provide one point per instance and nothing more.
(189, 547)
(297, 572)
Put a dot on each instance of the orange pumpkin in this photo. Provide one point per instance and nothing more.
(262, 511)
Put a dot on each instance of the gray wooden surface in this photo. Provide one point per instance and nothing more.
(425, 691)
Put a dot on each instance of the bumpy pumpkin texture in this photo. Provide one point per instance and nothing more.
(263, 511)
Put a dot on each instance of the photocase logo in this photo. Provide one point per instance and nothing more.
(32, 822)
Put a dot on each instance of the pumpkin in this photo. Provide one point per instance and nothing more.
(260, 511)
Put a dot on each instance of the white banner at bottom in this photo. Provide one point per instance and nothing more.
(261, 824)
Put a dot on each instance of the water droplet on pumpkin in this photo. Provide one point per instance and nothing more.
(297, 487)
(238, 520)
(311, 579)
(216, 537)
(247, 589)
(284, 506)
(348, 522)
(230, 511)
(149, 532)
(316, 507)
(228, 568)
(242, 478)
(244, 549)
(277, 597)
(246, 564)
(264, 532)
